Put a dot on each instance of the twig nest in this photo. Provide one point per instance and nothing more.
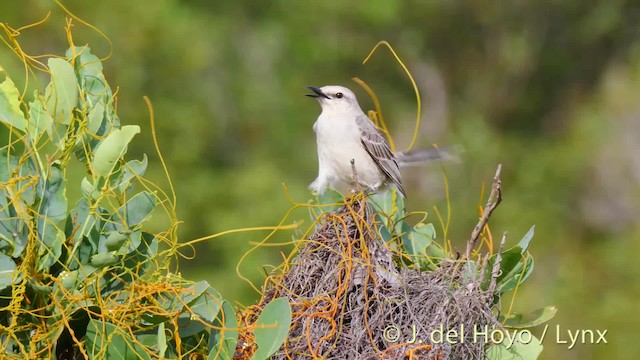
(354, 298)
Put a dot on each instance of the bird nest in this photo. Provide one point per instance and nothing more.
(354, 297)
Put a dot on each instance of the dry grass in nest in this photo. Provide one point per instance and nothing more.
(347, 287)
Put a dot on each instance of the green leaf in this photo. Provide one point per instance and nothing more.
(54, 201)
(62, 93)
(104, 259)
(141, 251)
(204, 308)
(524, 243)
(385, 234)
(68, 279)
(107, 341)
(419, 243)
(136, 210)
(162, 341)
(517, 275)
(38, 288)
(540, 316)
(95, 130)
(517, 351)
(127, 265)
(112, 149)
(207, 306)
(9, 163)
(81, 226)
(132, 170)
(88, 189)
(98, 124)
(52, 239)
(509, 261)
(390, 205)
(136, 244)
(115, 240)
(149, 341)
(515, 268)
(84, 249)
(172, 302)
(224, 338)
(330, 198)
(15, 201)
(10, 112)
(272, 328)
(53, 215)
(39, 119)
(112, 118)
(92, 81)
(95, 118)
(7, 268)
(415, 242)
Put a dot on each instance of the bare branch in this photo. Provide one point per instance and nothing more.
(483, 261)
(495, 272)
(356, 188)
(492, 203)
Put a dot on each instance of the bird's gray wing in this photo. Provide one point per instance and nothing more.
(379, 149)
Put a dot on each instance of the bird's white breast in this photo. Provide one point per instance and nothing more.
(339, 141)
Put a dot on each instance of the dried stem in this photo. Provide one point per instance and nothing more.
(483, 261)
(492, 203)
(495, 272)
(355, 177)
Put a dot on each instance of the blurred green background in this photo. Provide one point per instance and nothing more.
(548, 88)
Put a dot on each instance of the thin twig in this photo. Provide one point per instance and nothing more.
(495, 272)
(355, 176)
(483, 261)
(492, 203)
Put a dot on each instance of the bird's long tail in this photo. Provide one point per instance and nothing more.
(427, 155)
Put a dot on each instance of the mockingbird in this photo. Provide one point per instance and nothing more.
(345, 133)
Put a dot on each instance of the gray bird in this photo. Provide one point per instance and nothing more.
(345, 133)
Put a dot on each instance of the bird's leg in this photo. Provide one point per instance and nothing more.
(355, 177)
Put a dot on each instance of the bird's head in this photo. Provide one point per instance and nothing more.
(335, 98)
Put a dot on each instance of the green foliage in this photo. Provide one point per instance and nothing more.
(330, 200)
(224, 337)
(106, 155)
(417, 242)
(55, 251)
(7, 266)
(517, 351)
(272, 328)
(515, 266)
(537, 317)
(107, 341)
(88, 278)
(10, 112)
(62, 93)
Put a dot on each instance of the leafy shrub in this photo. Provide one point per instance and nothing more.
(86, 279)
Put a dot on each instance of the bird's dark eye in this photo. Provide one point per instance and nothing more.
(339, 95)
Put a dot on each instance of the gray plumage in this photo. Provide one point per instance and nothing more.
(380, 150)
(344, 133)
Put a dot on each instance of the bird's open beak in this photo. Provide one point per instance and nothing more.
(318, 93)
